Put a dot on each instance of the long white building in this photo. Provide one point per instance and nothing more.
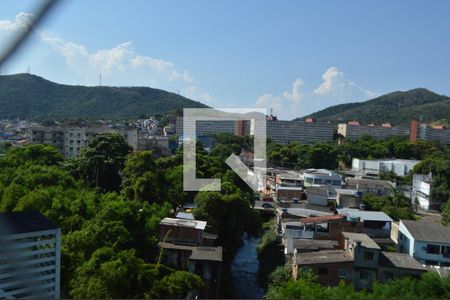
(279, 131)
(354, 130)
(401, 167)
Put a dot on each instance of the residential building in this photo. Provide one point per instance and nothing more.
(427, 132)
(70, 138)
(206, 127)
(428, 242)
(284, 184)
(30, 252)
(375, 224)
(288, 219)
(279, 131)
(159, 145)
(354, 130)
(421, 192)
(286, 132)
(321, 177)
(348, 198)
(187, 246)
(372, 186)
(401, 167)
(321, 195)
(360, 261)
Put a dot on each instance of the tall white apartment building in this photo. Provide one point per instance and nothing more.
(30, 256)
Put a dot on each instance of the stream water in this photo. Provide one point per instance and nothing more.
(245, 268)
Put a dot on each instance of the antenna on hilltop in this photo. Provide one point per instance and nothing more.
(28, 69)
(100, 79)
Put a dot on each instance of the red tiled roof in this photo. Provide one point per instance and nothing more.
(322, 219)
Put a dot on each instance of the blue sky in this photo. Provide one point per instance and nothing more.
(294, 56)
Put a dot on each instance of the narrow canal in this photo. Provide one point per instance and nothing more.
(245, 268)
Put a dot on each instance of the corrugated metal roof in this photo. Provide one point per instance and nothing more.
(400, 260)
(365, 215)
(428, 231)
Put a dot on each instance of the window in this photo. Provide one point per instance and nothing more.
(336, 182)
(323, 271)
(342, 273)
(317, 181)
(433, 249)
(446, 251)
(309, 180)
(368, 255)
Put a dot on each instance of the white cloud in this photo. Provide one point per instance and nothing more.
(336, 84)
(286, 105)
(121, 65)
(21, 21)
(334, 89)
(295, 95)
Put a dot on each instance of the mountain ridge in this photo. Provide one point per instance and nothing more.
(18, 94)
(399, 107)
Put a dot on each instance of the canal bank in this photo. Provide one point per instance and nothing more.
(245, 268)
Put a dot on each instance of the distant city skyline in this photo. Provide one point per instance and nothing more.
(296, 57)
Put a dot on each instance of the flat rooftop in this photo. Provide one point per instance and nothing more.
(362, 182)
(207, 253)
(349, 192)
(186, 216)
(184, 223)
(310, 244)
(365, 240)
(24, 221)
(321, 172)
(303, 212)
(323, 257)
(197, 252)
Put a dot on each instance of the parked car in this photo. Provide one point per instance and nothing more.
(267, 205)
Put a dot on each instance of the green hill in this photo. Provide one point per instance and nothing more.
(397, 107)
(28, 96)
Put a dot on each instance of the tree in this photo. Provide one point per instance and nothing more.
(446, 213)
(230, 215)
(141, 179)
(101, 161)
